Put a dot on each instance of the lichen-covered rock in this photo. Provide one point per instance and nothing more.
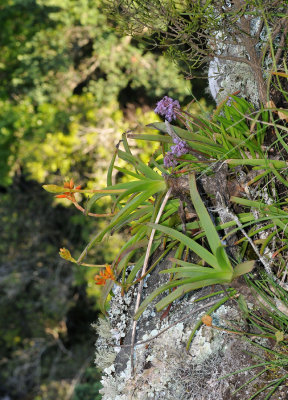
(241, 63)
(164, 369)
(227, 77)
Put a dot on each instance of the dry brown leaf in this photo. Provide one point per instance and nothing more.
(270, 104)
(283, 114)
(280, 74)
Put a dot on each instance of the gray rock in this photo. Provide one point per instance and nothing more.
(164, 369)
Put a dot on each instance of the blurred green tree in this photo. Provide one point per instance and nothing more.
(62, 68)
(69, 86)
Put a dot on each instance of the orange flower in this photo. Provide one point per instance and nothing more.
(68, 195)
(104, 275)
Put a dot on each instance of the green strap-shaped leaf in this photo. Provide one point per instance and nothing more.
(139, 264)
(110, 169)
(104, 294)
(152, 296)
(155, 187)
(194, 246)
(186, 285)
(224, 261)
(138, 186)
(198, 275)
(181, 290)
(130, 207)
(243, 268)
(261, 162)
(209, 228)
(129, 186)
(93, 200)
(183, 133)
(127, 172)
(141, 166)
(152, 138)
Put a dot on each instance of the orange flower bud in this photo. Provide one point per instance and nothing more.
(99, 280)
(65, 253)
(109, 273)
(58, 189)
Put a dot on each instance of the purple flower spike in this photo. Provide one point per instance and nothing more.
(169, 160)
(228, 102)
(165, 107)
(180, 147)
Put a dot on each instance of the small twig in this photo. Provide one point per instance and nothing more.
(91, 214)
(140, 289)
(239, 332)
(282, 42)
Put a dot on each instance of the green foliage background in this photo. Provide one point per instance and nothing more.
(70, 85)
(64, 72)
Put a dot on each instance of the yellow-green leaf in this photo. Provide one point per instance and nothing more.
(54, 189)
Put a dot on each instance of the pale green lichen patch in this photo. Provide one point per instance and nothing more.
(104, 355)
(103, 328)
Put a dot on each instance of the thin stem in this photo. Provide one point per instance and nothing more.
(241, 333)
(140, 289)
(91, 214)
(90, 265)
(108, 191)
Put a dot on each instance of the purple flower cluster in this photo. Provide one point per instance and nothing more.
(178, 150)
(169, 160)
(180, 147)
(228, 102)
(166, 106)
